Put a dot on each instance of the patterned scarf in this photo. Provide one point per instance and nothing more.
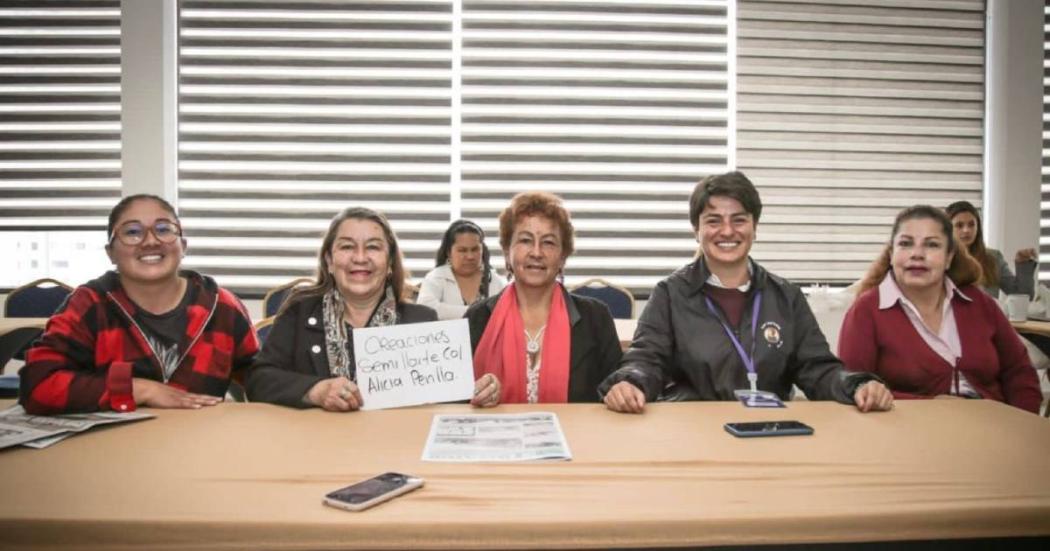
(336, 331)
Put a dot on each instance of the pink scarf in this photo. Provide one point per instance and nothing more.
(502, 350)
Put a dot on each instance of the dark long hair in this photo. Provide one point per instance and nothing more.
(125, 203)
(989, 269)
(963, 270)
(324, 280)
(449, 239)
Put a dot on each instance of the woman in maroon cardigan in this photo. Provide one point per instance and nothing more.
(921, 325)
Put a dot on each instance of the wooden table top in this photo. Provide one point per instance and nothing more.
(253, 475)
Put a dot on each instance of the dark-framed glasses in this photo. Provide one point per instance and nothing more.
(132, 233)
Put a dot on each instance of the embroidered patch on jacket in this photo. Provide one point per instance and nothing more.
(771, 332)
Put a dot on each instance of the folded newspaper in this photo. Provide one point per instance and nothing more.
(40, 431)
(496, 437)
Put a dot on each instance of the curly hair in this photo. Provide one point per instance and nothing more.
(537, 203)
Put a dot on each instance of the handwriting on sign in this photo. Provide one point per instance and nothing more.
(405, 365)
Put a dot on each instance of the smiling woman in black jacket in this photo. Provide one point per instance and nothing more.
(308, 359)
(723, 324)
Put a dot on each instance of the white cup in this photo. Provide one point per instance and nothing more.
(1017, 307)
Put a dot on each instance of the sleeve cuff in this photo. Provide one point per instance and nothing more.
(854, 380)
(119, 387)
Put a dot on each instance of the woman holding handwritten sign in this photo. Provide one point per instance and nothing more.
(542, 343)
(308, 359)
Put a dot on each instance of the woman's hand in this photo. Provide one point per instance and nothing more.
(486, 391)
(873, 396)
(624, 397)
(149, 393)
(336, 394)
(1025, 255)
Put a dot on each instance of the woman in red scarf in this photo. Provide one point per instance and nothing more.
(543, 344)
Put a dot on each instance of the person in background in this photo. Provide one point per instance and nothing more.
(544, 344)
(462, 275)
(995, 273)
(147, 334)
(921, 325)
(308, 358)
(723, 324)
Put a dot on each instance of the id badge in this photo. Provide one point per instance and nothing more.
(758, 399)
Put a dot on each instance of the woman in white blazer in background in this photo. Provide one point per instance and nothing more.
(462, 275)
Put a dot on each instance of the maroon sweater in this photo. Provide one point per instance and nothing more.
(994, 360)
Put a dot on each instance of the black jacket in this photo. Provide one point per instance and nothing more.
(680, 342)
(595, 347)
(293, 358)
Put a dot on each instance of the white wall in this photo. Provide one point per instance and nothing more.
(1013, 124)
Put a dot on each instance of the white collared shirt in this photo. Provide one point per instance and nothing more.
(714, 281)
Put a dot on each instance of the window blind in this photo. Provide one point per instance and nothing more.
(59, 114)
(429, 110)
(849, 111)
(290, 111)
(1044, 229)
(619, 107)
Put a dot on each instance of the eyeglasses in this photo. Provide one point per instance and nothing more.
(132, 233)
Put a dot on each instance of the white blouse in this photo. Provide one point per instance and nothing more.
(440, 291)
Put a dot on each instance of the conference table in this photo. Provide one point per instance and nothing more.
(252, 476)
(1032, 327)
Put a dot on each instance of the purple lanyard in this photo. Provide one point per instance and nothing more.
(749, 360)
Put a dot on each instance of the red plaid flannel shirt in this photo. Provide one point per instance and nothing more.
(92, 348)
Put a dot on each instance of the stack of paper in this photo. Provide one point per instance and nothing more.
(40, 431)
(496, 437)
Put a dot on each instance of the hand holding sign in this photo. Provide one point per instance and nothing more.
(486, 391)
(418, 363)
(337, 394)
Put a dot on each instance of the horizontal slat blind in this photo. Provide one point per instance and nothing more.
(429, 110)
(848, 111)
(290, 111)
(620, 107)
(59, 114)
(1044, 229)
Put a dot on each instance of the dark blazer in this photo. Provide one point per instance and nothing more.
(293, 358)
(595, 347)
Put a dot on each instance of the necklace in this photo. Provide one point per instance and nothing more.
(532, 344)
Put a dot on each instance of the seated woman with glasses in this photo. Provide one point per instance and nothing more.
(542, 343)
(921, 324)
(308, 358)
(145, 334)
(462, 275)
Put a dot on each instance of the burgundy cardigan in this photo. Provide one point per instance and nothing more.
(994, 360)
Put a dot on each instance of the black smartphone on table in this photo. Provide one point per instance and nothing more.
(373, 491)
(768, 428)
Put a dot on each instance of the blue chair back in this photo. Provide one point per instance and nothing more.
(619, 300)
(275, 297)
(262, 329)
(39, 299)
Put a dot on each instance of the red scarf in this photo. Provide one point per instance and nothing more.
(502, 350)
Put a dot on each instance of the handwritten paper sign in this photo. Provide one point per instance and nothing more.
(417, 363)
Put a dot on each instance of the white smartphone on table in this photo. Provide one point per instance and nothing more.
(373, 491)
